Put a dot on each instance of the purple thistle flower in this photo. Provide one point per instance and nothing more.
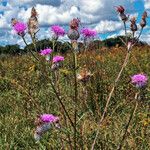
(88, 33)
(20, 28)
(57, 59)
(140, 80)
(57, 30)
(49, 118)
(43, 123)
(46, 51)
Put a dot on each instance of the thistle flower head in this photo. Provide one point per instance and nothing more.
(20, 28)
(133, 25)
(57, 30)
(57, 59)
(88, 33)
(49, 118)
(120, 9)
(143, 21)
(74, 23)
(139, 80)
(44, 123)
(46, 51)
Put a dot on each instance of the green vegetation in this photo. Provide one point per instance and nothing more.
(26, 92)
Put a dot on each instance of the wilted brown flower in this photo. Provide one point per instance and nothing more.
(84, 75)
(33, 22)
(133, 25)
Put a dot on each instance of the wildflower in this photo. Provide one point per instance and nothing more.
(58, 31)
(73, 33)
(88, 33)
(33, 23)
(74, 24)
(57, 62)
(84, 75)
(133, 25)
(143, 21)
(44, 123)
(58, 59)
(19, 28)
(121, 11)
(139, 80)
(46, 52)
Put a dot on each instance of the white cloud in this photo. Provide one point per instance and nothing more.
(147, 4)
(108, 26)
(95, 13)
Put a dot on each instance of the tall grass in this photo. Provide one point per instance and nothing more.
(26, 92)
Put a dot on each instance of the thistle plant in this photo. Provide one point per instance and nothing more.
(139, 81)
(43, 123)
(129, 45)
(20, 29)
(46, 52)
(88, 36)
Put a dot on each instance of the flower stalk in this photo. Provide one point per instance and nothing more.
(128, 124)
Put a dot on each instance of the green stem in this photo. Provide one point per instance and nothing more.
(34, 43)
(127, 126)
(110, 95)
(113, 88)
(75, 96)
(29, 49)
(60, 101)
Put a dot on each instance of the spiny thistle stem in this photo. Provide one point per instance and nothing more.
(110, 95)
(115, 84)
(127, 126)
(60, 101)
(75, 98)
(29, 49)
(125, 29)
(34, 43)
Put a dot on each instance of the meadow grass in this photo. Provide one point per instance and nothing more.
(26, 92)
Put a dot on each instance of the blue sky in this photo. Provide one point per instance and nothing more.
(96, 14)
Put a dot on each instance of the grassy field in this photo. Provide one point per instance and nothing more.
(26, 92)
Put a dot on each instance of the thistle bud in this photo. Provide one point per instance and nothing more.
(121, 10)
(143, 21)
(73, 33)
(133, 25)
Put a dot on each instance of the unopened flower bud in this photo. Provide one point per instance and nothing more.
(133, 25)
(73, 33)
(121, 10)
(143, 21)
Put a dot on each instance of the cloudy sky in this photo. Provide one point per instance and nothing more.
(96, 14)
